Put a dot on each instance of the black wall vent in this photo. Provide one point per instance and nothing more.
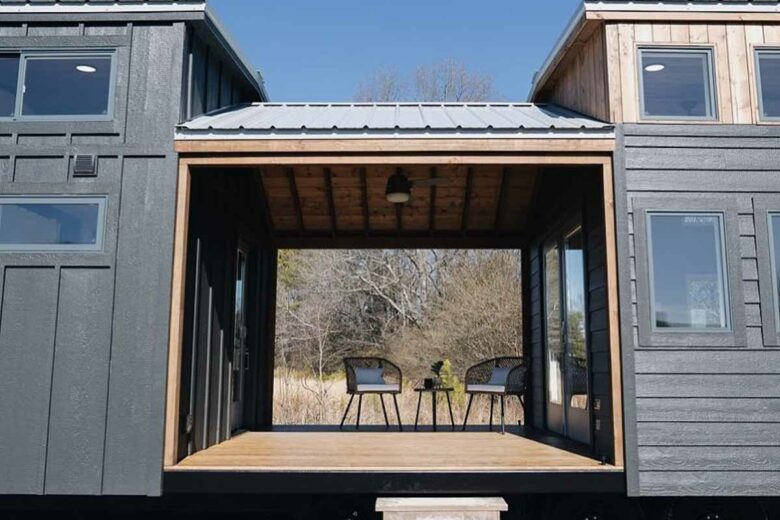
(85, 166)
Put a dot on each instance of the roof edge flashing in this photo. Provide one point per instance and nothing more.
(713, 6)
(118, 7)
(217, 135)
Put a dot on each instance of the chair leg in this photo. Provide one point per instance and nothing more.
(398, 414)
(503, 428)
(522, 407)
(492, 402)
(360, 406)
(384, 410)
(349, 405)
(468, 409)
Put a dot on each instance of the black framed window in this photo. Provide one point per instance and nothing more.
(72, 85)
(768, 83)
(676, 84)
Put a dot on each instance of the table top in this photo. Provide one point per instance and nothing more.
(434, 389)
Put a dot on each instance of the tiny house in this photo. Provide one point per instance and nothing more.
(142, 208)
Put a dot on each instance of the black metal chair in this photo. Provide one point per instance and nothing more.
(499, 377)
(372, 375)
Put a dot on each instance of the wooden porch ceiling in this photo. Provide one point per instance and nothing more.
(321, 205)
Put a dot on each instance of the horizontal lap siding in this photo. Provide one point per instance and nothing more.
(707, 420)
(83, 336)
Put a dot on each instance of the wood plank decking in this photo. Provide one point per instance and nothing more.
(325, 451)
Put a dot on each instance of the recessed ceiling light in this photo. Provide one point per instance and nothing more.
(89, 69)
(655, 67)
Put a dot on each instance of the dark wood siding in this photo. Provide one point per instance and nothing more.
(84, 336)
(700, 421)
(564, 197)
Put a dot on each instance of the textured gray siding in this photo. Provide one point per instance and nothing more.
(702, 420)
(83, 336)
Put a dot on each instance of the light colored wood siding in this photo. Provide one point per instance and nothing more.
(580, 83)
(733, 47)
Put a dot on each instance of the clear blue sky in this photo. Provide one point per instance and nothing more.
(320, 50)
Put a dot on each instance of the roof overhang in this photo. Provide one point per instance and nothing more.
(195, 10)
(376, 149)
(590, 13)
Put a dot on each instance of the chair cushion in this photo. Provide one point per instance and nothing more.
(487, 389)
(369, 376)
(378, 388)
(499, 376)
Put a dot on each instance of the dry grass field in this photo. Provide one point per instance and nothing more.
(301, 400)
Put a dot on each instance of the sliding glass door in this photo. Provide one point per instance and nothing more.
(566, 347)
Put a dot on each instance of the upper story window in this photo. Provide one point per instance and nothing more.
(57, 85)
(768, 80)
(51, 223)
(688, 287)
(676, 84)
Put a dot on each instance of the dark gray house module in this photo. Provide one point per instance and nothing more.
(692, 91)
(90, 93)
(156, 177)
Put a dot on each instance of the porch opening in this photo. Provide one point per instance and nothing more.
(242, 223)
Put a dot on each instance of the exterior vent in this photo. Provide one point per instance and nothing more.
(85, 166)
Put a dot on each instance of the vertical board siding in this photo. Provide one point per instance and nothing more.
(80, 382)
(136, 408)
(705, 416)
(581, 83)
(83, 336)
(27, 349)
(733, 45)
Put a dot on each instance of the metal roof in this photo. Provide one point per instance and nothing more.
(150, 7)
(261, 120)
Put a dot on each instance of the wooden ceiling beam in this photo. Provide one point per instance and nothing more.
(501, 205)
(364, 195)
(432, 208)
(392, 241)
(464, 222)
(331, 202)
(290, 173)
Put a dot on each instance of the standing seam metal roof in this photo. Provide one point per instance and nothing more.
(263, 118)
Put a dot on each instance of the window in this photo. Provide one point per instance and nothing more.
(63, 85)
(774, 243)
(768, 72)
(51, 224)
(688, 285)
(676, 84)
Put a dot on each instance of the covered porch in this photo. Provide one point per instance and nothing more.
(317, 177)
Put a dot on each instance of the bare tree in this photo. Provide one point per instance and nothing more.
(385, 86)
(450, 80)
(447, 80)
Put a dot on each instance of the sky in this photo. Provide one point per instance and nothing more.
(321, 50)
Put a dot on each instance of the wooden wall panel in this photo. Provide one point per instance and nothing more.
(581, 80)
(733, 46)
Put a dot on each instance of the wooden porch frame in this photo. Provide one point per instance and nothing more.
(186, 164)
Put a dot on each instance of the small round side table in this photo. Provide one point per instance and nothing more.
(434, 391)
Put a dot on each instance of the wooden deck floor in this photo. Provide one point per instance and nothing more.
(291, 451)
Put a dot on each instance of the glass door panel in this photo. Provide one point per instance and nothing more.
(554, 346)
(576, 347)
(238, 361)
